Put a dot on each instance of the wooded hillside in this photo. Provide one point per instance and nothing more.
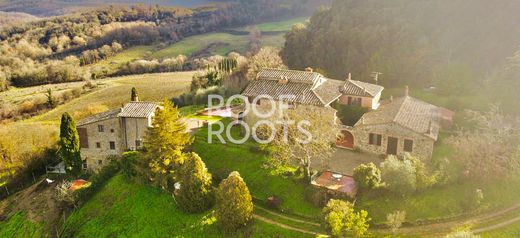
(454, 45)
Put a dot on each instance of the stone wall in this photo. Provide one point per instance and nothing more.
(422, 145)
(135, 130)
(94, 156)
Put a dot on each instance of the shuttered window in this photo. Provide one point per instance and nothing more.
(408, 145)
(83, 138)
(374, 139)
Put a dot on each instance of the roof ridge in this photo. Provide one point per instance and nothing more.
(400, 108)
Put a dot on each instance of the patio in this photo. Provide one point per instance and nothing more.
(344, 161)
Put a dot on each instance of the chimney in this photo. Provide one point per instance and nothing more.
(309, 69)
(283, 80)
(391, 98)
(406, 91)
(349, 76)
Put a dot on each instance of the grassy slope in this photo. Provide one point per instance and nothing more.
(228, 42)
(510, 231)
(151, 87)
(249, 162)
(113, 63)
(126, 209)
(18, 226)
(193, 44)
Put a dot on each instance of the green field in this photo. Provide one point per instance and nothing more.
(127, 209)
(220, 43)
(133, 53)
(214, 43)
(510, 231)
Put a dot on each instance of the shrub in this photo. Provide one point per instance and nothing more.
(395, 220)
(341, 220)
(399, 175)
(367, 176)
(195, 193)
(234, 204)
(128, 163)
(350, 114)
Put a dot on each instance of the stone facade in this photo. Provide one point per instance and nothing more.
(422, 146)
(101, 143)
(112, 133)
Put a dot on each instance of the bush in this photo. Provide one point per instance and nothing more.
(128, 163)
(367, 176)
(341, 220)
(399, 175)
(234, 204)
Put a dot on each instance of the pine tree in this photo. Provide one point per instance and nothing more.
(164, 144)
(135, 95)
(234, 203)
(195, 193)
(69, 145)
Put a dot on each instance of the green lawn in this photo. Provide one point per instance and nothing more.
(17, 226)
(127, 209)
(246, 159)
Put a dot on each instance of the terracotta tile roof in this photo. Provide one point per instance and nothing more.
(358, 88)
(308, 87)
(291, 75)
(131, 109)
(138, 109)
(408, 112)
(99, 117)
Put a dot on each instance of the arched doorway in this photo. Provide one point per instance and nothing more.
(346, 140)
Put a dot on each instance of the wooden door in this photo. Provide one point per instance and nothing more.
(391, 148)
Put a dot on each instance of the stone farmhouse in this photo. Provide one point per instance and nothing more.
(114, 132)
(391, 127)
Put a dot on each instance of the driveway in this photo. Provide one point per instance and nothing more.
(344, 161)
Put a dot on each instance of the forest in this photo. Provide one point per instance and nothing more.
(454, 46)
(50, 50)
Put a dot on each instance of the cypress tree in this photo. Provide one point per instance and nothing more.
(234, 203)
(69, 145)
(135, 96)
(195, 193)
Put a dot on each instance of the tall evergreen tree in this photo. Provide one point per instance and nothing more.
(164, 144)
(234, 203)
(69, 145)
(135, 95)
(195, 193)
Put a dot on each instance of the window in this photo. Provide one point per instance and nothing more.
(111, 130)
(374, 139)
(138, 143)
(84, 164)
(112, 145)
(352, 101)
(101, 128)
(98, 144)
(408, 145)
(83, 138)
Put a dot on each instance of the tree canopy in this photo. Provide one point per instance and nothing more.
(69, 149)
(234, 203)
